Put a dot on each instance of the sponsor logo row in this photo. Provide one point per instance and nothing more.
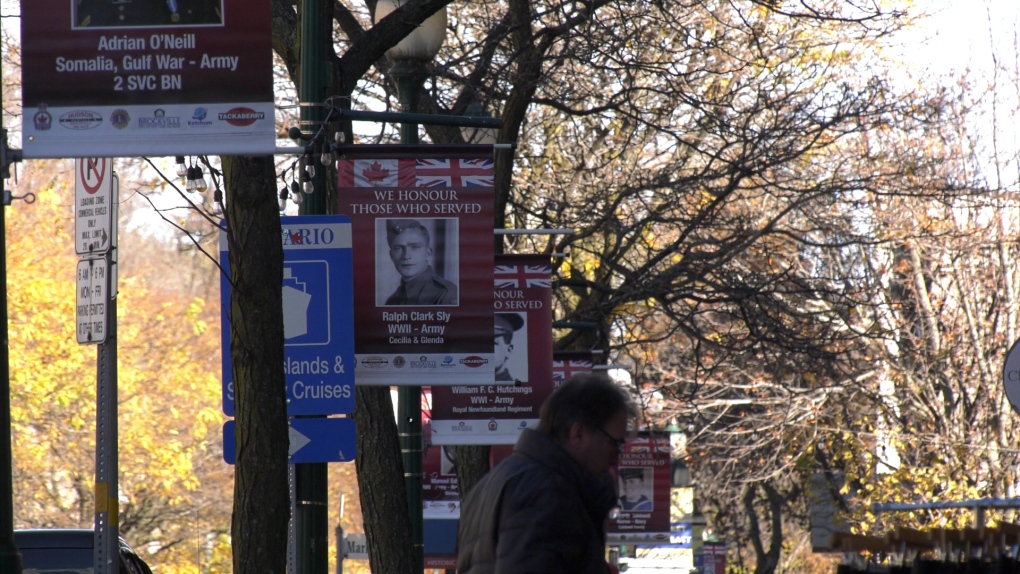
(87, 119)
(423, 362)
(492, 425)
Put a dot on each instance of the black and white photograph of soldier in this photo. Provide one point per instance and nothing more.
(635, 493)
(416, 262)
(146, 13)
(510, 348)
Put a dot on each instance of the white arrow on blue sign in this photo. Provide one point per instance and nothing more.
(318, 316)
(312, 440)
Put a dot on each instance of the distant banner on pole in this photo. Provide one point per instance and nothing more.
(439, 480)
(495, 412)
(566, 364)
(423, 252)
(146, 77)
(643, 483)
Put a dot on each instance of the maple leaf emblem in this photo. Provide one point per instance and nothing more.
(375, 172)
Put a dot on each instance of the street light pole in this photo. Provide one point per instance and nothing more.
(409, 57)
(409, 75)
(311, 481)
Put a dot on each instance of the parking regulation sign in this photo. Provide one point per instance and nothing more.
(318, 322)
(92, 298)
(93, 209)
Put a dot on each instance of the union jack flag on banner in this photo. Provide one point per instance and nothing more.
(564, 368)
(521, 276)
(453, 172)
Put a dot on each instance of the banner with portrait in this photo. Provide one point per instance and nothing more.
(643, 483)
(495, 410)
(134, 78)
(439, 482)
(423, 252)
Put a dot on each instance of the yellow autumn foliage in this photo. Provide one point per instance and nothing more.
(174, 487)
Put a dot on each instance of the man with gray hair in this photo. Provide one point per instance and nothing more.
(544, 508)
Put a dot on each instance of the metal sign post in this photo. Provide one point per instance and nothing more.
(107, 509)
(95, 234)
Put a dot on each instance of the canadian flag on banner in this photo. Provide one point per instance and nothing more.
(419, 173)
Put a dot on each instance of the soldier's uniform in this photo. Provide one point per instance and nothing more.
(426, 288)
(199, 12)
(103, 13)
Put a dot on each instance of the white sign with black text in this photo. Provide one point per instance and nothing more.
(93, 205)
(92, 298)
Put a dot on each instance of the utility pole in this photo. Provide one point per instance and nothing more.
(10, 558)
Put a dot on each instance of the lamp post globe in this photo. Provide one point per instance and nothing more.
(409, 58)
(424, 42)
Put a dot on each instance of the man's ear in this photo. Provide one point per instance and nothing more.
(576, 433)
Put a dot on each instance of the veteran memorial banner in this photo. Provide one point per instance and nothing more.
(643, 484)
(439, 480)
(495, 410)
(130, 78)
(423, 252)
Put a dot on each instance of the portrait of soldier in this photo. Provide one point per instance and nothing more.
(411, 251)
(106, 13)
(632, 491)
(506, 325)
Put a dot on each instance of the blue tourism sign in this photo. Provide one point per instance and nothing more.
(318, 316)
(312, 440)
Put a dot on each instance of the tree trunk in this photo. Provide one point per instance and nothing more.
(261, 503)
(380, 485)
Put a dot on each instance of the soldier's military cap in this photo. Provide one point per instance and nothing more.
(507, 323)
(395, 227)
(631, 473)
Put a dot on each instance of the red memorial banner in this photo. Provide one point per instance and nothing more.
(439, 480)
(154, 77)
(496, 409)
(566, 364)
(643, 483)
(423, 253)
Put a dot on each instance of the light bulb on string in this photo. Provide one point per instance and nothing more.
(200, 183)
(182, 169)
(295, 193)
(191, 185)
(217, 202)
(328, 157)
(306, 167)
(284, 192)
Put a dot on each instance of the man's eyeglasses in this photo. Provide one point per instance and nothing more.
(619, 442)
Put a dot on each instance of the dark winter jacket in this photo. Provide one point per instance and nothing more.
(537, 512)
